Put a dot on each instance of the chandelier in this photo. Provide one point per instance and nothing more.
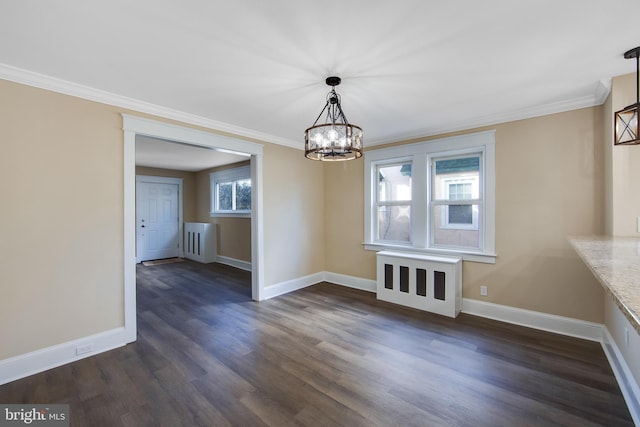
(626, 120)
(335, 139)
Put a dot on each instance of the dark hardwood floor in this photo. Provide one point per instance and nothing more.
(323, 356)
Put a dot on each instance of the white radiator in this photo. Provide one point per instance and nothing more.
(200, 241)
(425, 282)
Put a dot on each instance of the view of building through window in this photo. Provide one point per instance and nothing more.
(394, 202)
(456, 197)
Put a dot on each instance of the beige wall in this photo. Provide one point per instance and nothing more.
(624, 162)
(607, 150)
(61, 217)
(548, 186)
(61, 265)
(294, 227)
(61, 185)
(188, 188)
(344, 221)
(234, 234)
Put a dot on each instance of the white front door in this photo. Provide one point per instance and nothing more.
(157, 221)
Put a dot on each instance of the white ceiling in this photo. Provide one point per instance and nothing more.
(158, 153)
(410, 68)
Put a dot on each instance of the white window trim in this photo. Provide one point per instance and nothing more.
(421, 154)
(235, 174)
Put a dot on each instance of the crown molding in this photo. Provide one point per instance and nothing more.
(42, 81)
(603, 89)
(598, 97)
(30, 78)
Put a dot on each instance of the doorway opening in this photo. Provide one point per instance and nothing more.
(156, 133)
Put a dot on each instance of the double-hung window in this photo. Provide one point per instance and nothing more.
(393, 202)
(456, 201)
(433, 197)
(231, 192)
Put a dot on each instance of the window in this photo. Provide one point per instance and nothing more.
(231, 192)
(433, 197)
(393, 202)
(455, 201)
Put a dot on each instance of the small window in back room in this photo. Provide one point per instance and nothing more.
(231, 192)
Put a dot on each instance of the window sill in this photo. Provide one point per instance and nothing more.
(466, 256)
(230, 214)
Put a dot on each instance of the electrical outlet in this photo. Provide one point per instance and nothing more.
(483, 291)
(638, 224)
(83, 349)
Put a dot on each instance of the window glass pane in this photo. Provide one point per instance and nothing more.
(460, 214)
(457, 178)
(231, 192)
(243, 194)
(456, 225)
(225, 196)
(394, 182)
(460, 191)
(394, 223)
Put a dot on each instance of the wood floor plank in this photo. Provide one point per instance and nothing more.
(322, 356)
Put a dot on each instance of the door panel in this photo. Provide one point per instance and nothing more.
(157, 221)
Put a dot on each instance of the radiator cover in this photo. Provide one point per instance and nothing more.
(426, 282)
(200, 241)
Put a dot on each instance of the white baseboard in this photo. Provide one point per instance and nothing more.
(626, 381)
(351, 281)
(23, 365)
(534, 319)
(322, 276)
(292, 285)
(237, 263)
(528, 318)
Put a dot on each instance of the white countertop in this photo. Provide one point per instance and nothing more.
(615, 261)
